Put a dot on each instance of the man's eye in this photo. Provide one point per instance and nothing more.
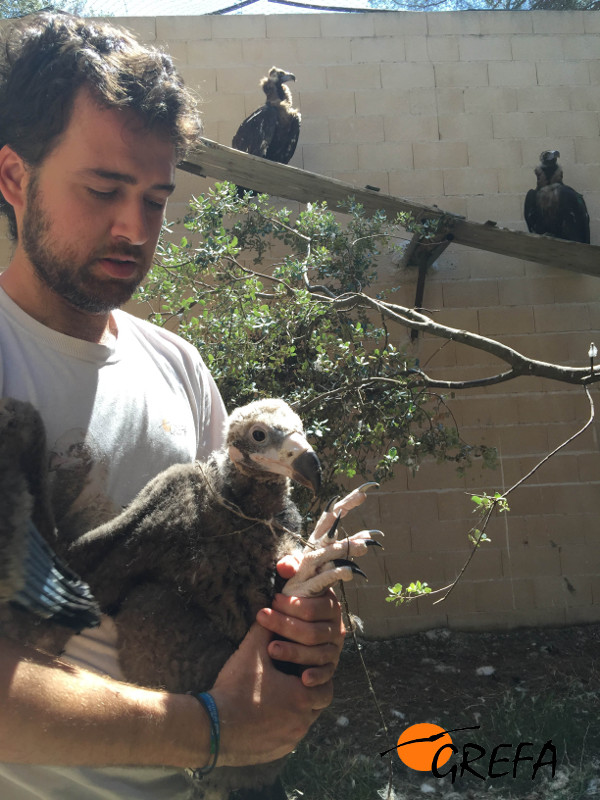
(157, 205)
(101, 195)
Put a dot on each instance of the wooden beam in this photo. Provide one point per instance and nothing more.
(213, 160)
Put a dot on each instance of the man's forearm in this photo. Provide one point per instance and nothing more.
(53, 713)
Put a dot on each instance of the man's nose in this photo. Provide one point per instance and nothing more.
(131, 223)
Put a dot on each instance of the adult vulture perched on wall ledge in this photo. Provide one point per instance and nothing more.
(184, 569)
(272, 130)
(554, 208)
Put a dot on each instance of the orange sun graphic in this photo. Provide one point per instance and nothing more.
(418, 745)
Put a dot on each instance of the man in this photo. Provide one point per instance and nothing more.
(91, 129)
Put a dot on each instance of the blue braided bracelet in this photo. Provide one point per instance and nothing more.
(210, 707)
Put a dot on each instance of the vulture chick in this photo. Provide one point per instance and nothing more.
(32, 577)
(185, 568)
(554, 208)
(272, 130)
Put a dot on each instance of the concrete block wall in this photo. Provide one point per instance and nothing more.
(451, 109)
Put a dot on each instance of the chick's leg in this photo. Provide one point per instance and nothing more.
(325, 560)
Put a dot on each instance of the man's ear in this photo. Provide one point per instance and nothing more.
(13, 178)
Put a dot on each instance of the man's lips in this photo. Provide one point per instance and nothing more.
(119, 267)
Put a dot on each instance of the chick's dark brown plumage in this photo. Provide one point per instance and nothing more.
(185, 568)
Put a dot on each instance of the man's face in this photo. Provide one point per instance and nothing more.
(95, 207)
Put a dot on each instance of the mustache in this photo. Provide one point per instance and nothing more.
(122, 249)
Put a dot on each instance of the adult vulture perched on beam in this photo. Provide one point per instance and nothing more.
(185, 568)
(554, 208)
(272, 130)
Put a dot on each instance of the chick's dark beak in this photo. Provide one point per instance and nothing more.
(307, 470)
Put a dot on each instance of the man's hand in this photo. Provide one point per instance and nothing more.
(313, 626)
(263, 712)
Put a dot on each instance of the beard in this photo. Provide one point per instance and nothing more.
(61, 268)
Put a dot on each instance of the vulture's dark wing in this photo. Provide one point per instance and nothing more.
(31, 574)
(256, 132)
(283, 143)
(34, 578)
(530, 211)
(573, 216)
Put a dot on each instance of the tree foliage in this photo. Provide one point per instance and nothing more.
(486, 5)
(252, 288)
(12, 9)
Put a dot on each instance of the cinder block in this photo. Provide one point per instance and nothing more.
(202, 81)
(496, 153)
(357, 129)
(406, 75)
(419, 509)
(567, 317)
(193, 29)
(353, 76)
(537, 48)
(525, 292)
(442, 23)
(591, 23)
(543, 98)
(315, 131)
(578, 48)
(524, 562)
(512, 73)
(415, 48)
(210, 54)
(469, 181)
(374, 50)
(312, 51)
(517, 178)
(442, 48)
(325, 158)
(519, 125)
(489, 98)
(573, 123)
(497, 22)
(449, 100)
(334, 25)
(219, 107)
(465, 126)
(558, 22)
(416, 183)
(410, 128)
(400, 23)
(385, 156)
(485, 48)
(380, 102)
(438, 155)
(259, 55)
(503, 209)
(461, 74)
(251, 26)
(328, 104)
(143, 28)
(564, 73)
(284, 26)
(177, 49)
(500, 320)
(585, 98)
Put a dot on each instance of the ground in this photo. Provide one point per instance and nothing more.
(528, 685)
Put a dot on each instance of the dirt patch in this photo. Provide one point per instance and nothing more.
(526, 685)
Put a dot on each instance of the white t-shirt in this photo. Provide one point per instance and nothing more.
(116, 415)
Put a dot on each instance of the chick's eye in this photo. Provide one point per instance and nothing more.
(259, 435)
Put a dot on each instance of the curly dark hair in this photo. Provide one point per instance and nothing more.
(46, 58)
